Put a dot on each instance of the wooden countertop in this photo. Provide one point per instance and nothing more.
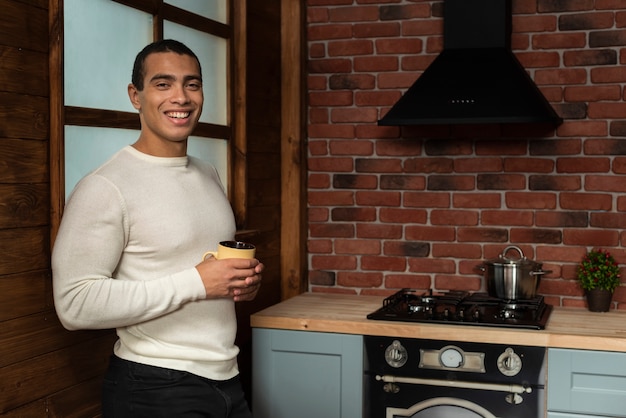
(346, 314)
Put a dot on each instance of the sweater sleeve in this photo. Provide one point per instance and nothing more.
(91, 239)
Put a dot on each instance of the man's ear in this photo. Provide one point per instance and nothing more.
(133, 95)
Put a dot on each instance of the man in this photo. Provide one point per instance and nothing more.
(128, 255)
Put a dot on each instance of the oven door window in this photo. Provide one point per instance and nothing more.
(441, 408)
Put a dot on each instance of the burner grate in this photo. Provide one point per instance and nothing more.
(463, 308)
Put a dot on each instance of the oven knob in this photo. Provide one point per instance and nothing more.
(509, 362)
(396, 355)
(391, 388)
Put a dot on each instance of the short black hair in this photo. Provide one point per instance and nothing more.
(165, 45)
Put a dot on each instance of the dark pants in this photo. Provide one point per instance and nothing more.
(137, 390)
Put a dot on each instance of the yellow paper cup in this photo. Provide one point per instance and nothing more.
(232, 249)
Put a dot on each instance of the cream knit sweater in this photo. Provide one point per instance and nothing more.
(125, 255)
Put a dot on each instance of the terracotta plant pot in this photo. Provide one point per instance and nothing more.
(599, 300)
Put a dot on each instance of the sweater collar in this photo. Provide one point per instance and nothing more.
(164, 161)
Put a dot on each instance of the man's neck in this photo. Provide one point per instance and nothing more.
(166, 150)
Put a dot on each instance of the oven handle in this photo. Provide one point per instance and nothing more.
(509, 388)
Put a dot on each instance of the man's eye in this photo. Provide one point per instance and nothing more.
(162, 85)
(194, 86)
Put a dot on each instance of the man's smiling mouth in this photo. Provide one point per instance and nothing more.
(178, 115)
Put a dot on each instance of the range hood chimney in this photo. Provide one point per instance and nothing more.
(476, 78)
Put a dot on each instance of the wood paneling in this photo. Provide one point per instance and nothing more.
(259, 142)
(21, 161)
(34, 409)
(263, 131)
(293, 144)
(82, 400)
(24, 70)
(38, 377)
(24, 204)
(34, 335)
(20, 295)
(23, 249)
(238, 180)
(23, 116)
(56, 146)
(45, 371)
(24, 25)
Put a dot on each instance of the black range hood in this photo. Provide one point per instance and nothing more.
(476, 78)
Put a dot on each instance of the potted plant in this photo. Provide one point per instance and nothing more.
(598, 273)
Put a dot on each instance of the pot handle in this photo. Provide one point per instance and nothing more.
(540, 272)
(512, 247)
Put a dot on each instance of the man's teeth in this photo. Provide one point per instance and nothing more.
(178, 115)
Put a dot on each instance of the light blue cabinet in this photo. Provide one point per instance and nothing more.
(306, 374)
(586, 382)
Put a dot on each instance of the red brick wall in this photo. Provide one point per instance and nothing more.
(422, 207)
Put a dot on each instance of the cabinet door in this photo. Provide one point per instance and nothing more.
(306, 374)
(587, 382)
(568, 415)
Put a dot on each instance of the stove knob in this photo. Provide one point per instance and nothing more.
(396, 355)
(461, 314)
(507, 314)
(476, 315)
(509, 363)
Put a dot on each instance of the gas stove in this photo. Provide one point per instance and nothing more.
(463, 308)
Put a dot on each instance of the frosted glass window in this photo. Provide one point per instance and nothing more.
(212, 53)
(87, 148)
(102, 38)
(213, 151)
(212, 9)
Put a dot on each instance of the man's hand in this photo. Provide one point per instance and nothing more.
(238, 278)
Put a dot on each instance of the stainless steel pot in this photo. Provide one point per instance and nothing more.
(512, 279)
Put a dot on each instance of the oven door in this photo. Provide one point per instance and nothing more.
(441, 408)
(389, 397)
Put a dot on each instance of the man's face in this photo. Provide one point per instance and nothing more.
(171, 101)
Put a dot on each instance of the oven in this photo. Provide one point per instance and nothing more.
(405, 377)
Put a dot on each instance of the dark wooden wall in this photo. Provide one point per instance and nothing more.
(46, 371)
(263, 160)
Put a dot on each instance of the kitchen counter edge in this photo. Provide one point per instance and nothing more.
(574, 328)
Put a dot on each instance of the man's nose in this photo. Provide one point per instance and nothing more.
(180, 94)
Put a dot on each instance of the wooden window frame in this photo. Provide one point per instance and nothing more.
(234, 132)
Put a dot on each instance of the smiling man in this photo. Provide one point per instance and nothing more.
(129, 250)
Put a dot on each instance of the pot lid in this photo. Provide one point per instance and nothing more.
(520, 259)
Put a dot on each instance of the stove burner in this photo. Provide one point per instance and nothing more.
(463, 308)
